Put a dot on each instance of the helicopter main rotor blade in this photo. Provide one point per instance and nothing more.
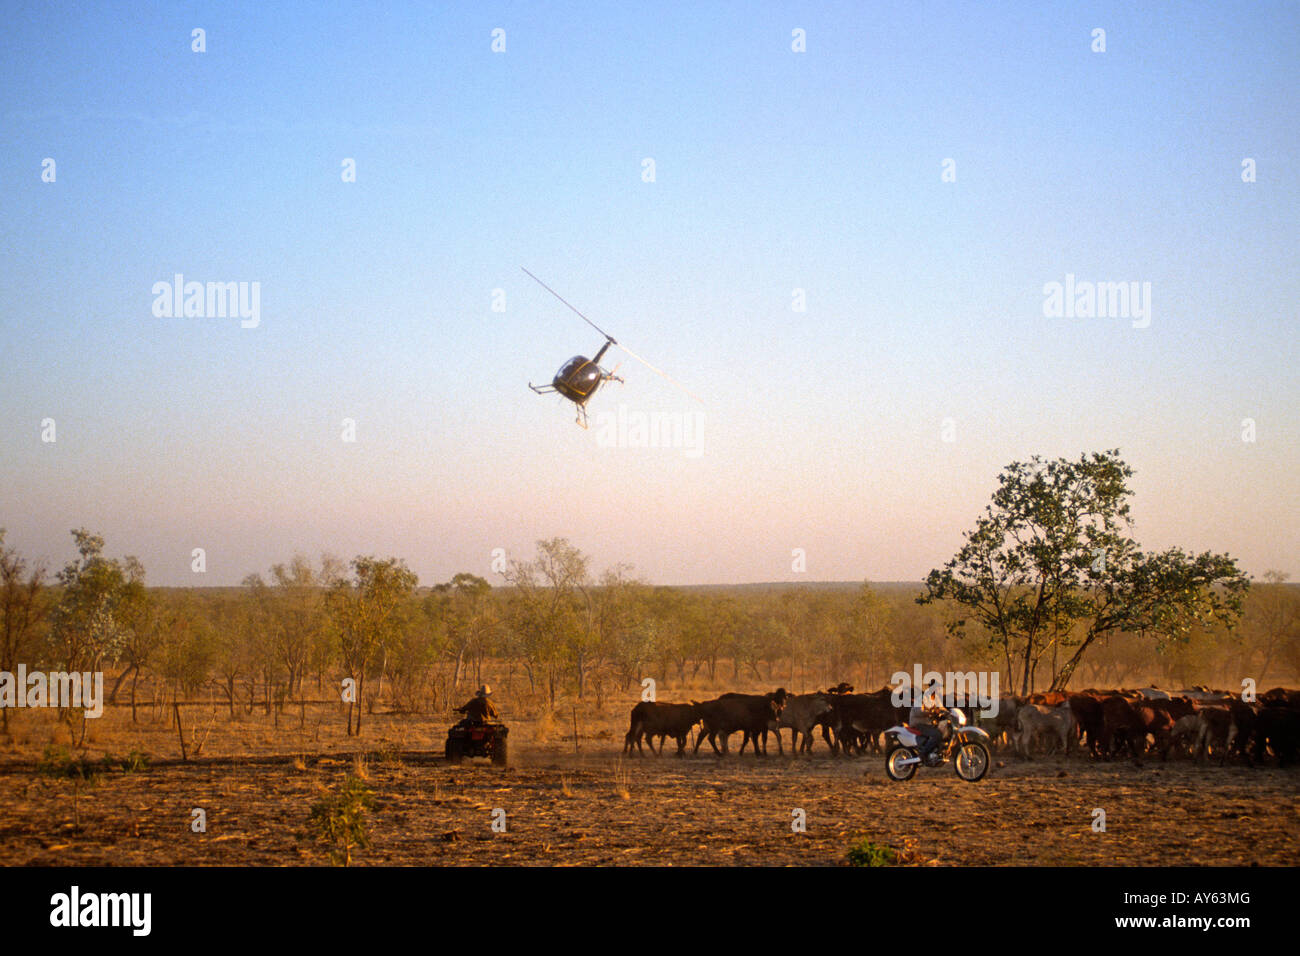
(660, 372)
(570, 305)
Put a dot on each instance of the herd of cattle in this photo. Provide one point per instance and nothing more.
(1198, 723)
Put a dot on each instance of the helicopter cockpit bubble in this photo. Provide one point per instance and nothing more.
(577, 379)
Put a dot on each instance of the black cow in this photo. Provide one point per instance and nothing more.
(859, 719)
(651, 719)
(1088, 716)
(749, 713)
(1277, 727)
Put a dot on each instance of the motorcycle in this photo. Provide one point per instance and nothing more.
(967, 748)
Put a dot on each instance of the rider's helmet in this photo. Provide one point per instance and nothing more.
(484, 691)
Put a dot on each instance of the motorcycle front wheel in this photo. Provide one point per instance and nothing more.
(897, 753)
(971, 761)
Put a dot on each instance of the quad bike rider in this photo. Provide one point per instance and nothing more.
(479, 734)
(478, 709)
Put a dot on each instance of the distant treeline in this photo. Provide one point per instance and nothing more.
(555, 629)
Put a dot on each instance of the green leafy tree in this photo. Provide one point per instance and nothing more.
(1051, 566)
(552, 614)
(138, 614)
(470, 620)
(367, 612)
(868, 641)
(620, 611)
(85, 631)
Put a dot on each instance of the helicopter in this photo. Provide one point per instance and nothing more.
(580, 377)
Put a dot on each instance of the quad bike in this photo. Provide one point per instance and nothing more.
(477, 740)
(966, 747)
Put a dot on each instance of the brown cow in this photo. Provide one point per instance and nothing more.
(1121, 724)
(1156, 721)
(1050, 698)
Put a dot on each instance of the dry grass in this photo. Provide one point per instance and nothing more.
(568, 810)
(622, 780)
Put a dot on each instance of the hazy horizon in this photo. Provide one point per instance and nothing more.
(866, 428)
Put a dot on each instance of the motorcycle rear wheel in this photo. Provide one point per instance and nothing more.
(900, 773)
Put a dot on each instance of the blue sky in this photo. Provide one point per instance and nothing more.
(774, 171)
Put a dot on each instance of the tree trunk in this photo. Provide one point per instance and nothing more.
(1062, 679)
(112, 694)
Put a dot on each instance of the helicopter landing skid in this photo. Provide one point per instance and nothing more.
(581, 420)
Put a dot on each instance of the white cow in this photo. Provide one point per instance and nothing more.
(1056, 723)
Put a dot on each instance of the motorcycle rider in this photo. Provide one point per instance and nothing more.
(478, 709)
(924, 717)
